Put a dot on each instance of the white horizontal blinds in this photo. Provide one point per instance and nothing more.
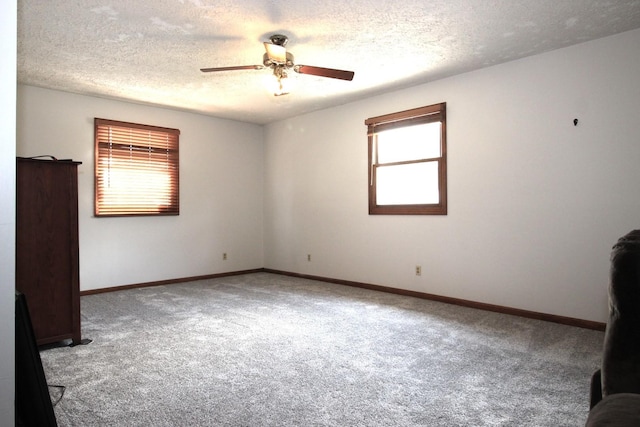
(431, 113)
(137, 169)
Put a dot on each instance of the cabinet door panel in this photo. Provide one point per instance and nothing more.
(47, 247)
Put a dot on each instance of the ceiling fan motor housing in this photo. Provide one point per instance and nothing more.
(270, 62)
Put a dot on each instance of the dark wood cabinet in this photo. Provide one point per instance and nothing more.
(47, 254)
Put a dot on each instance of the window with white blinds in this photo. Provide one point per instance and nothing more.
(136, 169)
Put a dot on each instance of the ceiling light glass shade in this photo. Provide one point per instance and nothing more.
(279, 83)
(279, 86)
(277, 54)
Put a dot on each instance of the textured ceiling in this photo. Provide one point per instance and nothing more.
(151, 52)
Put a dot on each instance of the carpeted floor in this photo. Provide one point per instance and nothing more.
(270, 350)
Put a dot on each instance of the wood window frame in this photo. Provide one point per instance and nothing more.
(427, 114)
(142, 151)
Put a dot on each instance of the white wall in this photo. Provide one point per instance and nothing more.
(221, 194)
(535, 203)
(8, 40)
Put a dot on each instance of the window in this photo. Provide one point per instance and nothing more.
(136, 169)
(408, 162)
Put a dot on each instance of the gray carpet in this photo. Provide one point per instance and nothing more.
(270, 350)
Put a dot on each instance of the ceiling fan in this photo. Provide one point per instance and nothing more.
(280, 61)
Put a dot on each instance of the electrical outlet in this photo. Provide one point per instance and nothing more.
(309, 257)
(224, 256)
(418, 270)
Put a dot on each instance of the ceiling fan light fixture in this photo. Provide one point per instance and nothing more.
(281, 89)
(281, 83)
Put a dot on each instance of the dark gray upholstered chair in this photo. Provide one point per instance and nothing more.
(615, 388)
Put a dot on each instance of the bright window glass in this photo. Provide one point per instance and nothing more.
(409, 143)
(397, 184)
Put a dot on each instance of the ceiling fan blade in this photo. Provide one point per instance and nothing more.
(276, 53)
(238, 67)
(324, 72)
